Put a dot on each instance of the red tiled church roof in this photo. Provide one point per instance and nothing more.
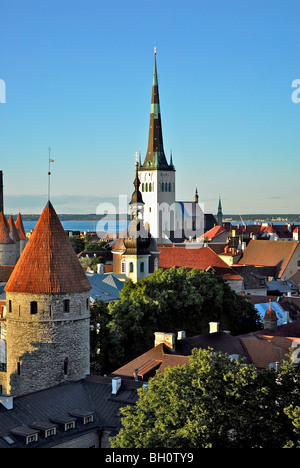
(48, 263)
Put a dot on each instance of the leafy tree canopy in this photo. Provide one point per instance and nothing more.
(215, 402)
(172, 300)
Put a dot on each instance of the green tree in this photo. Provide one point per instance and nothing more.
(173, 300)
(77, 243)
(95, 246)
(105, 349)
(212, 402)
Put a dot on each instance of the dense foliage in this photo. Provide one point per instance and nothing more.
(168, 300)
(215, 402)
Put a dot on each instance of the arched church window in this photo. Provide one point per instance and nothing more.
(143, 187)
(166, 187)
(170, 188)
(150, 187)
(162, 187)
(146, 186)
(142, 267)
(130, 267)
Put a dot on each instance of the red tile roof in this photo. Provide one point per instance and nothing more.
(4, 231)
(214, 232)
(195, 256)
(48, 263)
(20, 227)
(269, 253)
(15, 233)
(146, 365)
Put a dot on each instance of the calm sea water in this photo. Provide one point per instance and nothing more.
(92, 226)
(88, 226)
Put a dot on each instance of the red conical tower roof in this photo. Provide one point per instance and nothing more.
(270, 313)
(4, 231)
(49, 263)
(20, 227)
(15, 233)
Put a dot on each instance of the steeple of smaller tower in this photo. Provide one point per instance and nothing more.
(220, 213)
(155, 157)
(196, 195)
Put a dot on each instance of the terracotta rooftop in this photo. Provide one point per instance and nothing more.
(146, 365)
(4, 231)
(214, 232)
(48, 263)
(269, 253)
(15, 233)
(201, 258)
(20, 227)
(270, 313)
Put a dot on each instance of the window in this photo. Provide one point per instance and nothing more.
(142, 267)
(9, 306)
(143, 187)
(166, 187)
(131, 267)
(162, 187)
(33, 307)
(123, 265)
(170, 188)
(87, 304)
(66, 366)
(67, 305)
(146, 186)
(18, 368)
(150, 187)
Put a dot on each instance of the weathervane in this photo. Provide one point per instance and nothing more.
(154, 50)
(49, 173)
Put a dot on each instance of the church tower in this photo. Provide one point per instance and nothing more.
(48, 316)
(136, 254)
(220, 214)
(157, 176)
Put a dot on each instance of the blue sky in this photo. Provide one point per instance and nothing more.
(78, 77)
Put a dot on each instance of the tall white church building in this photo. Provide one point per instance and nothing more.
(167, 219)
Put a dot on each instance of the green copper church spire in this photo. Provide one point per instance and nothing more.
(155, 157)
(220, 214)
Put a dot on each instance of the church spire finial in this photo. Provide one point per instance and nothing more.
(155, 157)
(196, 195)
(49, 173)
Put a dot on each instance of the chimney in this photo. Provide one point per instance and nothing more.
(100, 268)
(214, 327)
(7, 401)
(166, 338)
(181, 335)
(1, 193)
(116, 385)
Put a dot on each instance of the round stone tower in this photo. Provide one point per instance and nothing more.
(48, 316)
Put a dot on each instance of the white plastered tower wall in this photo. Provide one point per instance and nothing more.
(159, 208)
